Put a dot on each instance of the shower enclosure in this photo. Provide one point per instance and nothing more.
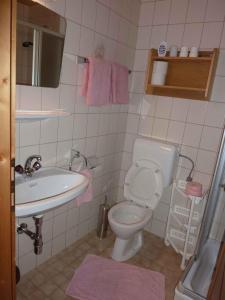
(196, 279)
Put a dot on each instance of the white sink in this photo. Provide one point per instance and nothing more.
(47, 189)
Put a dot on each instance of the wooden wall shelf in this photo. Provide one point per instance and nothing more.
(187, 77)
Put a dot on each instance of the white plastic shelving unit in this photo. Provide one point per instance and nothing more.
(184, 221)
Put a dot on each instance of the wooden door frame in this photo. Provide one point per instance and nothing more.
(7, 137)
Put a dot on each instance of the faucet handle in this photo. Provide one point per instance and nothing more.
(19, 169)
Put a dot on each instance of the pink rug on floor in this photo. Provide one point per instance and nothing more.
(100, 278)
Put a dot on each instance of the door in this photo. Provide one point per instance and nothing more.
(7, 116)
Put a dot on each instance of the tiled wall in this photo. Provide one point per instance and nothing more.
(94, 131)
(194, 125)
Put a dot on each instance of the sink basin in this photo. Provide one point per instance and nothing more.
(48, 188)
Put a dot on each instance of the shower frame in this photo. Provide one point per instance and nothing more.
(208, 217)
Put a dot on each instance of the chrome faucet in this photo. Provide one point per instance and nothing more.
(29, 169)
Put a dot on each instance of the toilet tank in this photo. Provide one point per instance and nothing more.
(165, 155)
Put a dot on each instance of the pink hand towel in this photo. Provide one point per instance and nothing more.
(119, 84)
(96, 85)
(86, 196)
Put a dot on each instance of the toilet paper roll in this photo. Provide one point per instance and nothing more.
(158, 79)
(160, 67)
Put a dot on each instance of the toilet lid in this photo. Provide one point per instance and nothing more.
(144, 183)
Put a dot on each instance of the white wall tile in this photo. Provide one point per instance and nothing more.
(48, 153)
(160, 128)
(158, 35)
(65, 129)
(205, 161)
(175, 34)
(220, 70)
(215, 11)
(175, 131)
(192, 135)
(72, 39)
(196, 11)
(69, 69)
(30, 98)
(59, 225)
(140, 62)
(27, 263)
(89, 13)
(74, 10)
(178, 11)
(102, 19)
(210, 138)
(197, 112)
(180, 109)
(222, 43)
(161, 13)
(80, 126)
(215, 114)
(211, 35)
(54, 138)
(145, 126)
(143, 37)
(114, 25)
(148, 105)
(50, 98)
(86, 42)
(218, 91)
(92, 125)
(146, 14)
(58, 244)
(163, 107)
(192, 34)
(49, 131)
(30, 133)
(132, 123)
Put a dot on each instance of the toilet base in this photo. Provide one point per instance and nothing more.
(125, 249)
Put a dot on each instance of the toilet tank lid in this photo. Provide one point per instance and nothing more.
(165, 155)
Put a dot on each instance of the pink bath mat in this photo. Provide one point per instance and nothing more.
(100, 278)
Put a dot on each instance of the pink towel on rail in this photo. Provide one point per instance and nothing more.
(119, 84)
(86, 196)
(96, 86)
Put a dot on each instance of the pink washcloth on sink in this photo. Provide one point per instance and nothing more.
(119, 84)
(96, 86)
(86, 196)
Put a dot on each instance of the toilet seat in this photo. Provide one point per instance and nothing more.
(144, 183)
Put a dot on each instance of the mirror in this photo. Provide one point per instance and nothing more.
(39, 46)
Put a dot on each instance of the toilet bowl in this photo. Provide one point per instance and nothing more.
(127, 221)
(149, 173)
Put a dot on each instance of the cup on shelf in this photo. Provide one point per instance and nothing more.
(194, 52)
(173, 51)
(184, 51)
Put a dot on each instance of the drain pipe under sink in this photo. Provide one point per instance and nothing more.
(36, 236)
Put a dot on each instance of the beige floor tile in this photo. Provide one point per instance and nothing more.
(48, 287)
(51, 279)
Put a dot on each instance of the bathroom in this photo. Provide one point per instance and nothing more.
(121, 31)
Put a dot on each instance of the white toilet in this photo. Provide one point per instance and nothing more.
(151, 171)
